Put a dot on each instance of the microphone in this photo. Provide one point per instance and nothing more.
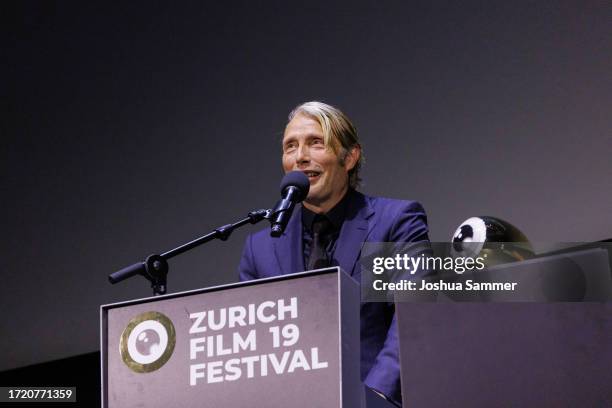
(294, 189)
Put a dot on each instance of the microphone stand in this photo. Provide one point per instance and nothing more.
(155, 267)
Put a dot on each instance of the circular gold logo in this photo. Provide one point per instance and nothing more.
(147, 342)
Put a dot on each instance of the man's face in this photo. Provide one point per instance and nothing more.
(304, 150)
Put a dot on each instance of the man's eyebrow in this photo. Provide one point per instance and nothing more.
(287, 140)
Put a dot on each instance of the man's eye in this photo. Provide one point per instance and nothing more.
(289, 147)
(317, 142)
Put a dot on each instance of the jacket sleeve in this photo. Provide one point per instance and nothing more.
(384, 376)
(246, 268)
(410, 225)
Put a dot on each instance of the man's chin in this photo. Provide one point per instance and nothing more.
(314, 201)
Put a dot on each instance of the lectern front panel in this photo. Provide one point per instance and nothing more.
(272, 344)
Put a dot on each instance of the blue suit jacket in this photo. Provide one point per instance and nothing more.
(369, 219)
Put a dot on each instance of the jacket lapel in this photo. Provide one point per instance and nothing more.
(354, 232)
(289, 259)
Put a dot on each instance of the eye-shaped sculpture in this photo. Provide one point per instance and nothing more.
(494, 239)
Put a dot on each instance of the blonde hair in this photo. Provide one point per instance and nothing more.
(339, 133)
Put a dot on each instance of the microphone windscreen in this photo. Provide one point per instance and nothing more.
(296, 179)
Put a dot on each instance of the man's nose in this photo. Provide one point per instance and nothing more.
(302, 155)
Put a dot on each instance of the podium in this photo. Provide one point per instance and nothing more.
(287, 341)
(502, 353)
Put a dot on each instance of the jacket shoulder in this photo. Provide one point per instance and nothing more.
(393, 204)
(398, 220)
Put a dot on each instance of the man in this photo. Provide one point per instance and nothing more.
(331, 226)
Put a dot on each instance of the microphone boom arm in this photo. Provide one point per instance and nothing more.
(155, 267)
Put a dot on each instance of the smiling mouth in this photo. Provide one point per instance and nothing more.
(312, 175)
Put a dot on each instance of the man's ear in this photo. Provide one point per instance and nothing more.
(352, 157)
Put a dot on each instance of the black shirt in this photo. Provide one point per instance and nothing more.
(336, 216)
